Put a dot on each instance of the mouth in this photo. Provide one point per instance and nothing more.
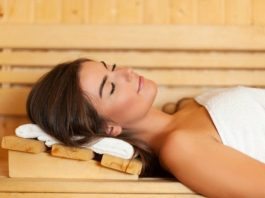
(140, 83)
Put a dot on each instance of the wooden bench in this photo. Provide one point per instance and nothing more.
(183, 60)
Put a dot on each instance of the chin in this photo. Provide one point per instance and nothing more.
(155, 87)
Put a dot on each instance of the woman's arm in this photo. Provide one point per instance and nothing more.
(213, 169)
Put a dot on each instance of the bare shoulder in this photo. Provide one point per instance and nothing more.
(200, 162)
(178, 148)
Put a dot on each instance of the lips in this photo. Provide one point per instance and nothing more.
(140, 83)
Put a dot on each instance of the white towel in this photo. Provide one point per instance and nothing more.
(107, 145)
(239, 116)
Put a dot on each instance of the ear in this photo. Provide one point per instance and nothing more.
(114, 130)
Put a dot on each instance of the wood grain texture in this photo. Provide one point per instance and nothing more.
(238, 12)
(17, 107)
(134, 37)
(47, 11)
(22, 144)
(103, 11)
(156, 12)
(59, 150)
(44, 165)
(7, 127)
(191, 77)
(258, 13)
(130, 12)
(183, 11)
(131, 166)
(93, 195)
(2, 11)
(48, 187)
(73, 11)
(137, 59)
(158, 186)
(211, 12)
(20, 11)
(207, 12)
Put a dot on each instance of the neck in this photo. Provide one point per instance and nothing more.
(154, 127)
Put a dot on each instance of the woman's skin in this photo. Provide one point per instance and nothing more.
(186, 142)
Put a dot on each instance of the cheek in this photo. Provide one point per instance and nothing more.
(124, 109)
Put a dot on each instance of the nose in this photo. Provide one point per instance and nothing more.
(126, 73)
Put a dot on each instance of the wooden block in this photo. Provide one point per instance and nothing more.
(23, 144)
(44, 165)
(129, 166)
(60, 150)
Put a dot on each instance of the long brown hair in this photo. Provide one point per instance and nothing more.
(58, 105)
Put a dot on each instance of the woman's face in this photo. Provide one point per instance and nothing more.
(117, 93)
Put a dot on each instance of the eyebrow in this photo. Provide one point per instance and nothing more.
(103, 81)
(105, 65)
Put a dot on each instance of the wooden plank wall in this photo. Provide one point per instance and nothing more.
(246, 16)
(197, 12)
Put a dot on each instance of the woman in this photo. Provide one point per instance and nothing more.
(93, 99)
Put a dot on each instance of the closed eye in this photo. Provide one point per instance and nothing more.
(112, 84)
(112, 88)
(105, 80)
(113, 67)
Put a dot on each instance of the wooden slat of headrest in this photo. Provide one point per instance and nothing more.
(140, 59)
(163, 37)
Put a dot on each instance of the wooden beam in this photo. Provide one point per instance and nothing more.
(148, 185)
(168, 37)
(97, 195)
(138, 59)
(13, 101)
(175, 77)
(44, 165)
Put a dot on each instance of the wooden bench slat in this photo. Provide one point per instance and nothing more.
(168, 37)
(48, 166)
(165, 77)
(207, 77)
(91, 186)
(25, 77)
(13, 101)
(97, 195)
(140, 59)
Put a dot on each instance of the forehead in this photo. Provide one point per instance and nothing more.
(90, 76)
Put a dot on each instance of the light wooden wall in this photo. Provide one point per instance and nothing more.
(194, 58)
(197, 12)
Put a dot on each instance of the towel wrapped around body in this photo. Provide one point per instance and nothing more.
(238, 114)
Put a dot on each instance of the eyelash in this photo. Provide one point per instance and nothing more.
(113, 67)
(112, 84)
